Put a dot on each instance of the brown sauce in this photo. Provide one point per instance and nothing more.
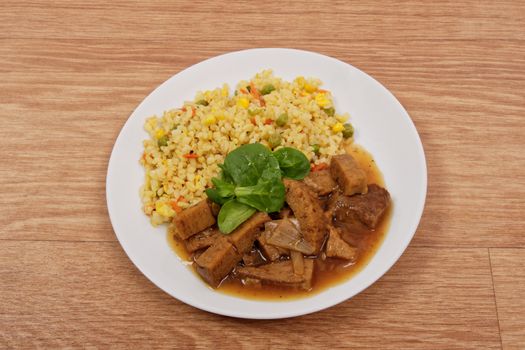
(327, 272)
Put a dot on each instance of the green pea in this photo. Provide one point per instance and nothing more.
(267, 89)
(282, 119)
(348, 131)
(254, 111)
(163, 141)
(274, 140)
(330, 111)
(202, 102)
(315, 148)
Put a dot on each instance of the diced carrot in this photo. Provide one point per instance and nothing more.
(256, 94)
(253, 90)
(183, 109)
(244, 91)
(254, 122)
(191, 156)
(181, 199)
(320, 166)
(193, 111)
(175, 206)
(322, 91)
(268, 121)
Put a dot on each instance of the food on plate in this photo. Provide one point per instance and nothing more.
(279, 220)
(263, 189)
(187, 144)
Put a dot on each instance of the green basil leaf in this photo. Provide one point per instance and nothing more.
(224, 189)
(214, 196)
(224, 174)
(222, 192)
(232, 214)
(268, 195)
(293, 163)
(246, 164)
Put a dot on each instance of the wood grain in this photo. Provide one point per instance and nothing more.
(508, 269)
(72, 72)
(85, 93)
(88, 294)
(197, 20)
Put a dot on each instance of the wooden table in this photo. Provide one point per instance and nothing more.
(73, 71)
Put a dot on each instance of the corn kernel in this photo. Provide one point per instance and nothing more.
(210, 120)
(309, 88)
(341, 118)
(159, 133)
(243, 102)
(300, 81)
(338, 127)
(164, 209)
(322, 100)
(220, 117)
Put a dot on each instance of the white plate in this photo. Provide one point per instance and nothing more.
(382, 126)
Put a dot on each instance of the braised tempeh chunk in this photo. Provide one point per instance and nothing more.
(321, 182)
(280, 273)
(217, 261)
(192, 220)
(350, 177)
(307, 209)
(202, 239)
(220, 259)
(367, 208)
(336, 247)
(244, 236)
